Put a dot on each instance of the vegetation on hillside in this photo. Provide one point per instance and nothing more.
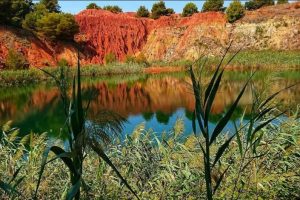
(189, 9)
(16, 61)
(159, 9)
(255, 4)
(113, 9)
(213, 5)
(142, 12)
(93, 6)
(235, 11)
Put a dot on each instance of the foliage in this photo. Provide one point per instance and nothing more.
(110, 58)
(16, 60)
(204, 99)
(30, 21)
(62, 63)
(82, 134)
(51, 5)
(57, 26)
(213, 5)
(139, 59)
(255, 4)
(235, 11)
(167, 167)
(113, 9)
(142, 12)
(282, 1)
(12, 12)
(189, 9)
(159, 9)
(93, 6)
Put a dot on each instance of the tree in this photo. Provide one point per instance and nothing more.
(235, 11)
(113, 9)
(30, 21)
(4, 11)
(51, 5)
(12, 12)
(93, 6)
(57, 26)
(255, 4)
(213, 5)
(16, 60)
(189, 9)
(142, 12)
(282, 1)
(159, 9)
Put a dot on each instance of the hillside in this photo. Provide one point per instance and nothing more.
(168, 38)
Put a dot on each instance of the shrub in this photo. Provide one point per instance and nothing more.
(51, 5)
(142, 12)
(110, 58)
(93, 6)
(30, 21)
(139, 59)
(113, 9)
(16, 61)
(282, 1)
(255, 4)
(62, 63)
(57, 26)
(159, 9)
(213, 5)
(235, 11)
(189, 9)
(12, 12)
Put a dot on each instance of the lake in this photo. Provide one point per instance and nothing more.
(157, 100)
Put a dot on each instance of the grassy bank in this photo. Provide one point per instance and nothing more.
(275, 60)
(162, 169)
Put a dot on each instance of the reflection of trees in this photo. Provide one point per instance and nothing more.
(148, 115)
(188, 114)
(162, 117)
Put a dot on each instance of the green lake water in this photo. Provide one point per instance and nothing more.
(156, 100)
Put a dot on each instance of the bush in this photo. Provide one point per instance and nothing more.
(282, 1)
(235, 11)
(57, 26)
(16, 61)
(110, 58)
(30, 21)
(255, 4)
(113, 9)
(62, 63)
(142, 12)
(189, 9)
(139, 59)
(51, 5)
(12, 12)
(93, 6)
(213, 5)
(159, 9)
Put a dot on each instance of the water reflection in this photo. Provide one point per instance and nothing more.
(158, 100)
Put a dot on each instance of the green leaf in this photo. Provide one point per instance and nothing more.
(74, 190)
(224, 120)
(221, 150)
(65, 157)
(101, 153)
(238, 139)
(218, 183)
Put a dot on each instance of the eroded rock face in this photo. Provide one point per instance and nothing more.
(168, 38)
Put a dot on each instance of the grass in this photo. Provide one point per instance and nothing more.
(169, 168)
(279, 60)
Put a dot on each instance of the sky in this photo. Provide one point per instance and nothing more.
(127, 6)
(74, 7)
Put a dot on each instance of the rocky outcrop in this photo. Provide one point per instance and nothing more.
(168, 38)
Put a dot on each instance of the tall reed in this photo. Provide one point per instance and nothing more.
(204, 100)
(81, 136)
